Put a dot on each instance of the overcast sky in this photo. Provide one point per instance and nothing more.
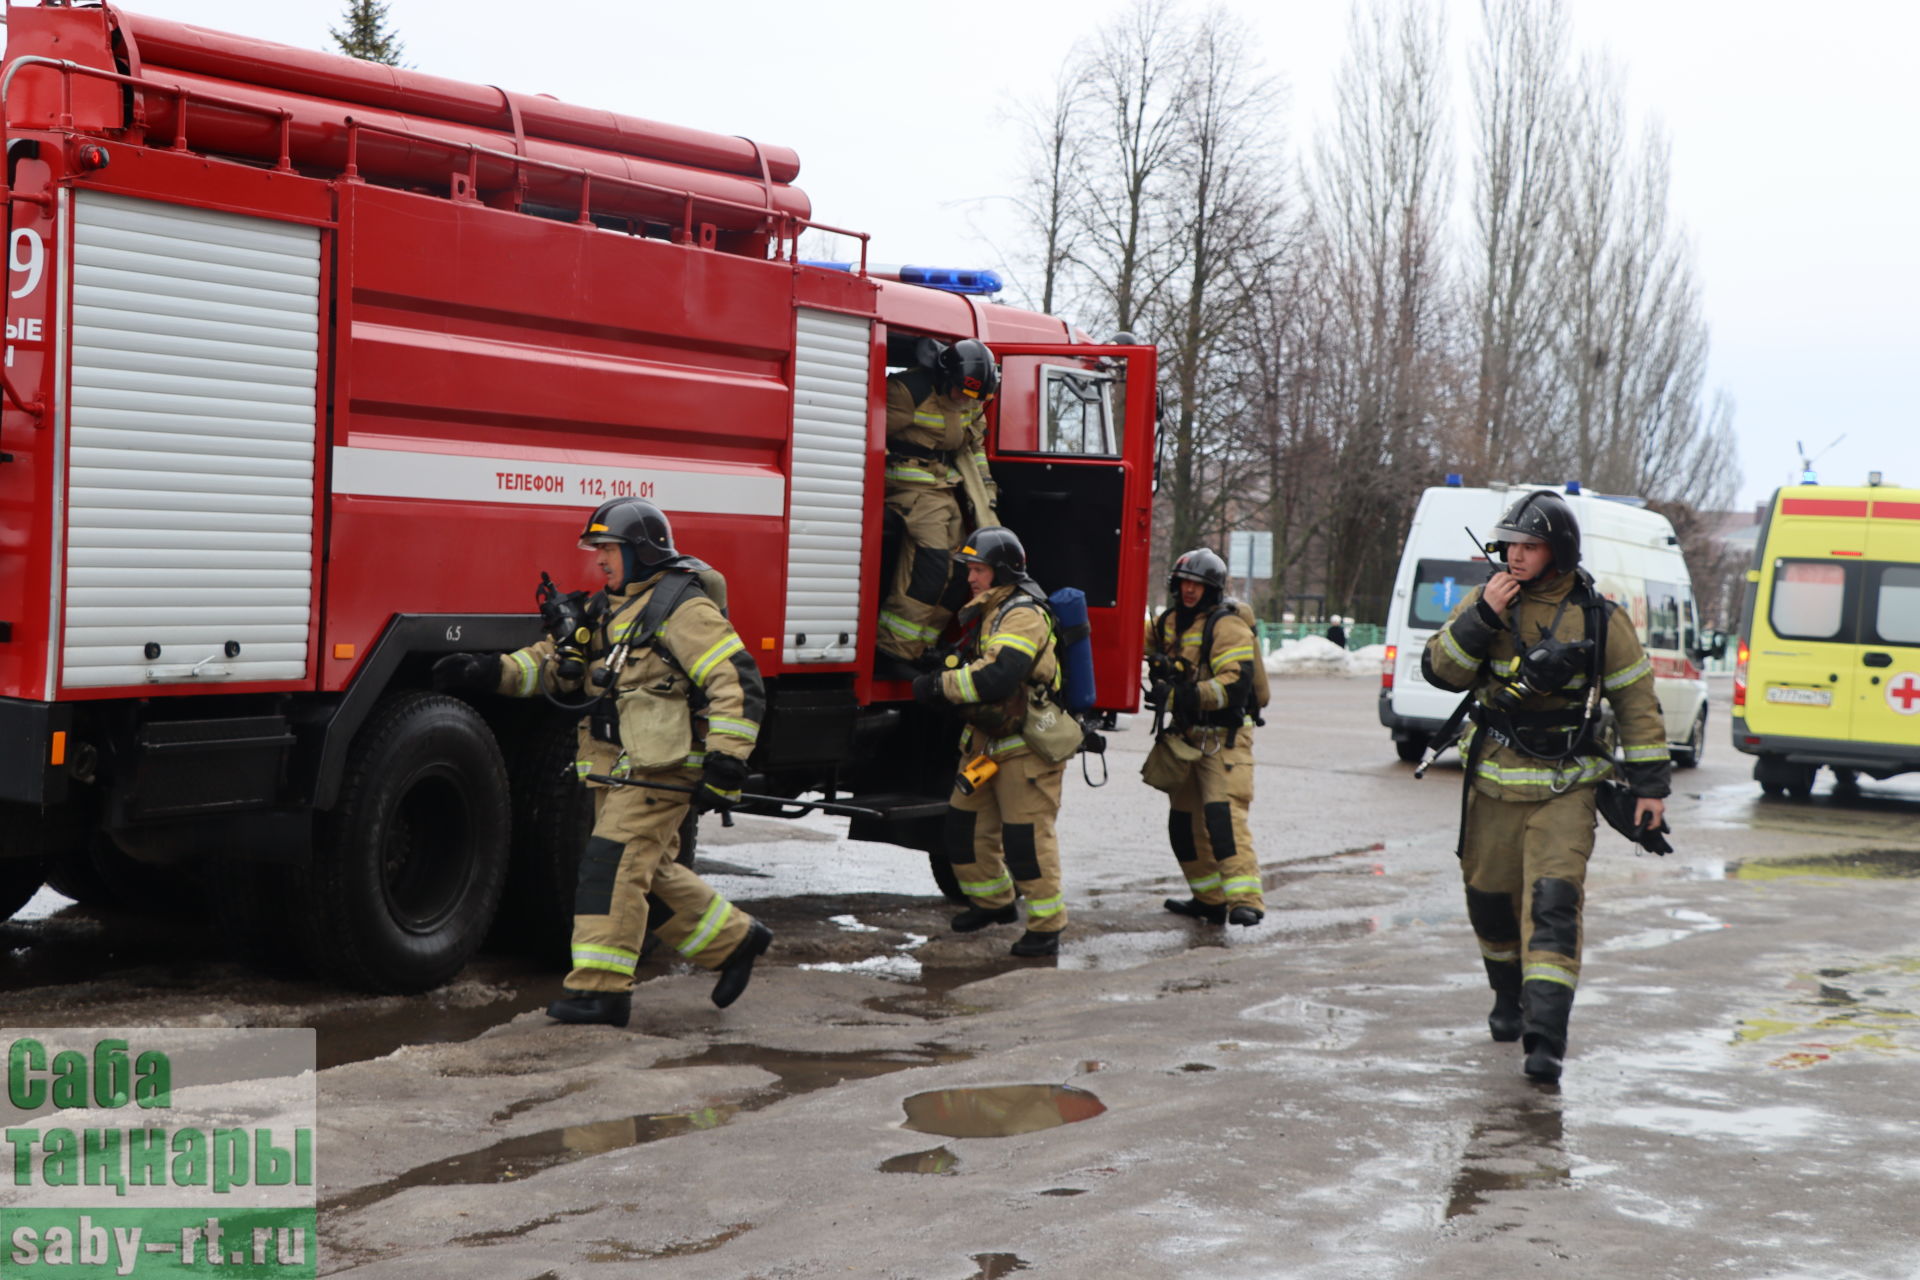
(1794, 127)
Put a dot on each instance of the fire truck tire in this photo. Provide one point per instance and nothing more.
(408, 868)
(20, 879)
(943, 876)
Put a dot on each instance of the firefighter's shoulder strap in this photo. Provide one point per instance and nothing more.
(1262, 690)
(668, 594)
(918, 382)
(1020, 600)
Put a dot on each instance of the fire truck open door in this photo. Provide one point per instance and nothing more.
(1072, 451)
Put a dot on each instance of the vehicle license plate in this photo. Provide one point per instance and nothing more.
(1801, 697)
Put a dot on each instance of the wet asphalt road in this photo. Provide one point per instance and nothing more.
(1312, 1097)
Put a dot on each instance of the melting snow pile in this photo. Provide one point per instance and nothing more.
(1319, 656)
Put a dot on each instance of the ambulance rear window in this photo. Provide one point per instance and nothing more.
(1438, 586)
(1809, 599)
(1896, 618)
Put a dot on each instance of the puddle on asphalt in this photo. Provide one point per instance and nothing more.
(515, 1158)
(937, 1160)
(999, 1111)
(1868, 1007)
(1520, 1150)
(1861, 864)
(995, 1265)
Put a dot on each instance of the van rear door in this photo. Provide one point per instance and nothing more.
(1805, 657)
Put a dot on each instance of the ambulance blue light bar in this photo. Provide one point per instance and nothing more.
(976, 280)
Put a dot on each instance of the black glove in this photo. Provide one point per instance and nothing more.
(720, 781)
(1157, 696)
(1186, 703)
(467, 673)
(929, 690)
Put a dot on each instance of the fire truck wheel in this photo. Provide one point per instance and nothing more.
(943, 876)
(20, 879)
(409, 865)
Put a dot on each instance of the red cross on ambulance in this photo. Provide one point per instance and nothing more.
(1903, 694)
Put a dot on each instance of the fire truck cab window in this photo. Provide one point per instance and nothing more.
(1076, 408)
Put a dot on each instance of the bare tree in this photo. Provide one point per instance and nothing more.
(1224, 225)
(1520, 97)
(1380, 194)
(1135, 76)
(1049, 200)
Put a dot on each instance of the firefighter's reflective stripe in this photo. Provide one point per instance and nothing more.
(1586, 769)
(695, 759)
(901, 627)
(1240, 653)
(1204, 884)
(986, 888)
(711, 922)
(1637, 755)
(529, 672)
(1046, 906)
(1012, 641)
(1193, 637)
(722, 649)
(912, 475)
(613, 959)
(1458, 654)
(963, 686)
(1240, 884)
(734, 728)
(1007, 746)
(1627, 675)
(1550, 973)
(1497, 955)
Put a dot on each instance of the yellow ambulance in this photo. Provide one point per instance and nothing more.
(1829, 661)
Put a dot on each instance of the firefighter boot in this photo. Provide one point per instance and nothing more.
(1503, 1024)
(1246, 917)
(737, 969)
(1037, 944)
(589, 1007)
(1543, 1060)
(980, 917)
(1193, 908)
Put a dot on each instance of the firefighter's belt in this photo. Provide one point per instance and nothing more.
(1512, 728)
(912, 450)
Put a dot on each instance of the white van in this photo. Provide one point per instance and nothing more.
(1634, 559)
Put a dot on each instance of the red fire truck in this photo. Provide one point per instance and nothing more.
(313, 365)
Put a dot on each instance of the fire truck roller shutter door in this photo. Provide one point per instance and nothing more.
(826, 497)
(190, 477)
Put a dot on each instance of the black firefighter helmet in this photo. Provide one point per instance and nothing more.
(1541, 516)
(998, 548)
(1202, 566)
(966, 368)
(641, 529)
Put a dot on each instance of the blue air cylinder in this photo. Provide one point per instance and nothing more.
(1074, 641)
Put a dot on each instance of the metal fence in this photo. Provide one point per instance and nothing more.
(1359, 635)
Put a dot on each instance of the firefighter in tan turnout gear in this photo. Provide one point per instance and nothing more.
(1537, 760)
(936, 453)
(1000, 818)
(676, 700)
(1202, 659)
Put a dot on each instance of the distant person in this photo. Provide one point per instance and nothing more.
(1337, 634)
(1203, 661)
(1533, 760)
